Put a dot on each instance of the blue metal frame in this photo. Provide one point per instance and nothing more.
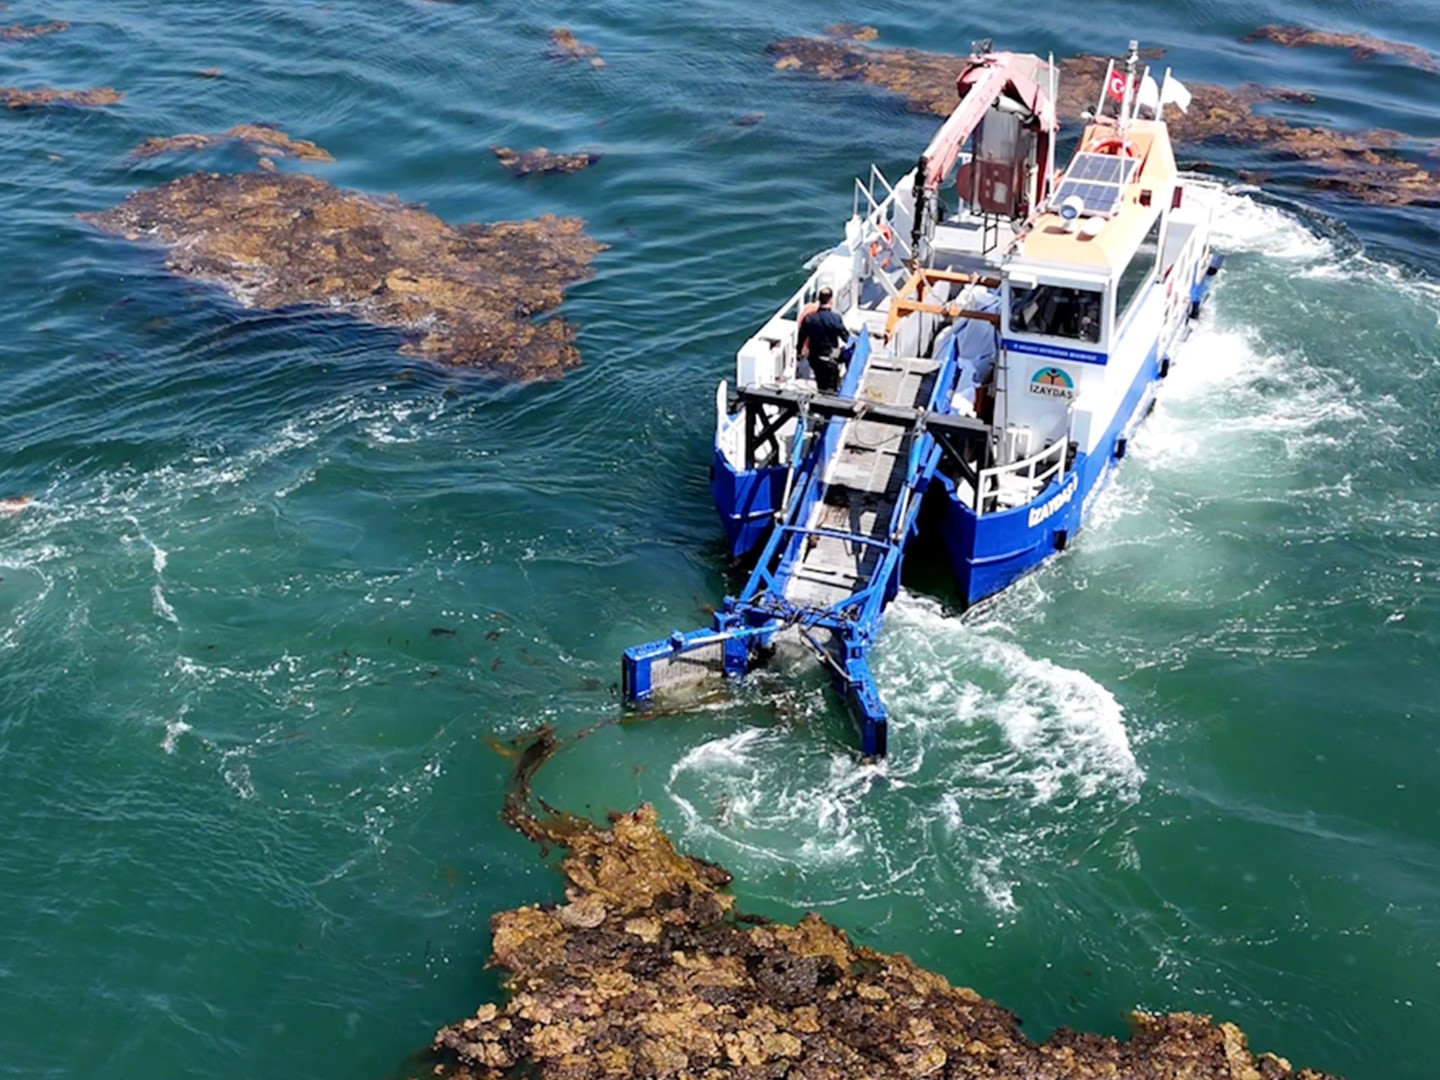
(750, 621)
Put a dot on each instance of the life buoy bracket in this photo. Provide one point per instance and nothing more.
(1115, 145)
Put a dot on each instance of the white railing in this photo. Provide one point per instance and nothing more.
(877, 227)
(769, 356)
(1008, 486)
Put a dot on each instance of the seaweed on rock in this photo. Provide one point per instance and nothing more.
(264, 140)
(46, 96)
(646, 970)
(1363, 164)
(462, 294)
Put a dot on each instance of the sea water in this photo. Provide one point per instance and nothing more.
(283, 595)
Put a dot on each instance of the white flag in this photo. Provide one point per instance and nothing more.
(1174, 92)
(1148, 96)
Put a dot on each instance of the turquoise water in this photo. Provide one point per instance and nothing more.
(248, 789)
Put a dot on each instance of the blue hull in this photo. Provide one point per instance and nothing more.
(747, 502)
(989, 553)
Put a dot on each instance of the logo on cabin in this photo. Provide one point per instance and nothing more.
(1052, 382)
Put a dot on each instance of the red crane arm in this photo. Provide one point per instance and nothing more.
(983, 82)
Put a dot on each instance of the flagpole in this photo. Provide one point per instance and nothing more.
(1104, 89)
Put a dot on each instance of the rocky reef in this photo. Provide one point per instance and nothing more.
(541, 160)
(44, 96)
(1361, 46)
(646, 970)
(461, 294)
(263, 139)
(21, 32)
(1363, 164)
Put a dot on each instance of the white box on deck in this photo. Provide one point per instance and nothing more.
(761, 360)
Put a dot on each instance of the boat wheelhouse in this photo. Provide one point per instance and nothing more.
(1008, 336)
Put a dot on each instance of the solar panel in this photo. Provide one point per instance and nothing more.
(1103, 168)
(1098, 179)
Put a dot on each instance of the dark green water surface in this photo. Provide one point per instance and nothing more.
(248, 794)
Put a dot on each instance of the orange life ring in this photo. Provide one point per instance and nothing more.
(888, 247)
(1112, 144)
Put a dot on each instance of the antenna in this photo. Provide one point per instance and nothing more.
(1132, 64)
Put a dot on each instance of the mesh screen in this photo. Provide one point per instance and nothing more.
(686, 669)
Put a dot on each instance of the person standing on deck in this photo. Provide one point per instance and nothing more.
(822, 334)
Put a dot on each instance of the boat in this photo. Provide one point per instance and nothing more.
(1009, 327)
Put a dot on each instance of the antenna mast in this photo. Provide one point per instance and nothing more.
(1132, 66)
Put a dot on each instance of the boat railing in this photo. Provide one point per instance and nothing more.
(769, 356)
(887, 249)
(1006, 486)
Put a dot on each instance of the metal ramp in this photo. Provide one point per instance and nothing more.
(848, 529)
(862, 459)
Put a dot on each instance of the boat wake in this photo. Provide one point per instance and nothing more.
(999, 760)
(1006, 756)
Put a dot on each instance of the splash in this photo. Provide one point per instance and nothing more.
(1000, 760)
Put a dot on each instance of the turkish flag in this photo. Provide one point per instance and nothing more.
(1118, 84)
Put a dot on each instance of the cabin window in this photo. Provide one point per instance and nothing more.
(1141, 269)
(1056, 311)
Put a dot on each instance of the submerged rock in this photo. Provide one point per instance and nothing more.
(263, 139)
(565, 46)
(541, 160)
(19, 32)
(647, 971)
(1363, 164)
(853, 31)
(463, 294)
(1361, 46)
(13, 98)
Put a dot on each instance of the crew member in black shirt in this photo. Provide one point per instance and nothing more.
(822, 335)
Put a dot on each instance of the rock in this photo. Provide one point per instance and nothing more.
(541, 160)
(1362, 164)
(45, 96)
(565, 46)
(263, 139)
(647, 971)
(463, 295)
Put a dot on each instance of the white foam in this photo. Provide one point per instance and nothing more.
(173, 730)
(1243, 225)
(160, 605)
(999, 760)
(1063, 733)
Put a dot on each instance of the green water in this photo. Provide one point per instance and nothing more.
(281, 589)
